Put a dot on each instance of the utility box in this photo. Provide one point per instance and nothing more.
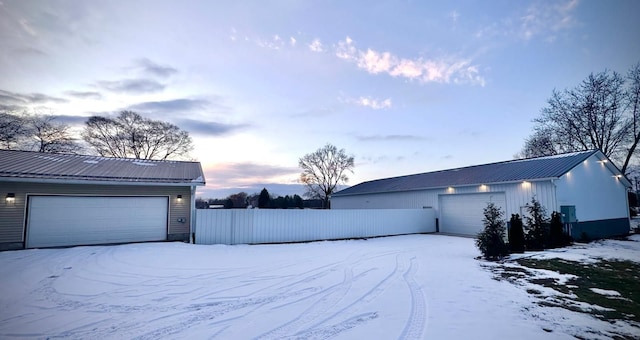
(568, 213)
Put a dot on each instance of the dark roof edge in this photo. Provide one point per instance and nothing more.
(587, 155)
(98, 156)
(586, 152)
(337, 194)
(99, 182)
(609, 164)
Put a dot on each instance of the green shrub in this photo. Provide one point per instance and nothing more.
(490, 241)
(557, 237)
(584, 237)
(536, 225)
(516, 234)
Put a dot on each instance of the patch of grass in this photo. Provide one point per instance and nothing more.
(534, 291)
(620, 276)
(509, 273)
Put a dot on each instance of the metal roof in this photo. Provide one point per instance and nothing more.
(16, 165)
(508, 171)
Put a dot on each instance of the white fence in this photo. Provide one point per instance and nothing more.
(235, 226)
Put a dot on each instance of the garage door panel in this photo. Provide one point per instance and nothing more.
(79, 220)
(463, 213)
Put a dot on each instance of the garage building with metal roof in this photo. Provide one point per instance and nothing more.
(586, 187)
(55, 200)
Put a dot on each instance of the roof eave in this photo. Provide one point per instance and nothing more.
(614, 169)
(447, 186)
(100, 182)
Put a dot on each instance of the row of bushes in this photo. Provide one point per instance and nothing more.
(538, 232)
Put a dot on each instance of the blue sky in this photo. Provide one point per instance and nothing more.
(403, 86)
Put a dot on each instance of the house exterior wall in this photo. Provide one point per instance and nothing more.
(517, 196)
(599, 196)
(13, 215)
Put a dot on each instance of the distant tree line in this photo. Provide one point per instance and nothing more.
(262, 200)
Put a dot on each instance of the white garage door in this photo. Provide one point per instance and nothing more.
(54, 221)
(463, 214)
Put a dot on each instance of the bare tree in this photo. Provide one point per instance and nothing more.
(323, 170)
(600, 113)
(129, 135)
(13, 131)
(633, 102)
(50, 136)
(537, 145)
(36, 132)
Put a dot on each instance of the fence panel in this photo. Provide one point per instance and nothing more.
(214, 228)
(236, 226)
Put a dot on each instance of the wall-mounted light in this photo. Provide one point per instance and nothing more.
(483, 187)
(179, 197)
(11, 197)
(526, 184)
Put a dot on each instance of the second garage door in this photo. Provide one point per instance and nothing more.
(463, 214)
(54, 221)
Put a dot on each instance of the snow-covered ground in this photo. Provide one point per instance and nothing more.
(621, 250)
(581, 324)
(407, 287)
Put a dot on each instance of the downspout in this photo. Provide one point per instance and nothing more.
(555, 194)
(192, 219)
(626, 199)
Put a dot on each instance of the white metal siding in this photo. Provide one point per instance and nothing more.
(236, 226)
(516, 195)
(391, 200)
(215, 227)
(81, 220)
(590, 186)
(463, 213)
(594, 190)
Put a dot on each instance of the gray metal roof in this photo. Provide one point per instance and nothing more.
(509, 171)
(46, 166)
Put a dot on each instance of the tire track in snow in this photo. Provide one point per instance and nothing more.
(176, 320)
(283, 286)
(213, 311)
(216, 314)
(330, 299)
(279, 286)
(333, 330)
(193, 315)
(51, 299)
(317, 330)
(419, 311)
(353, 259)
(358, 304)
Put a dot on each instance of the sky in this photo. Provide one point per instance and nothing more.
(403, 86)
